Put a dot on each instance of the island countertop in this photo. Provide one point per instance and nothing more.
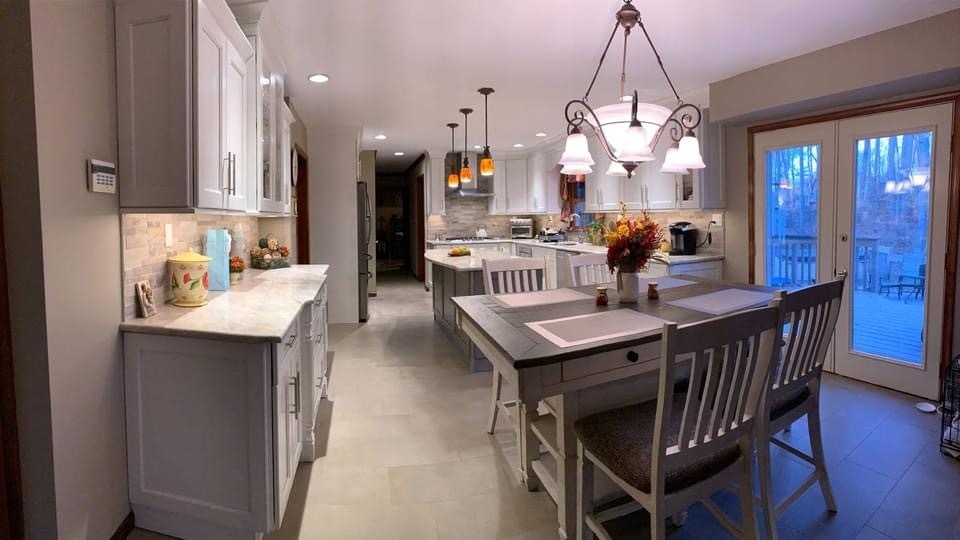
(258, 309)
(573, 247)
(467, 263)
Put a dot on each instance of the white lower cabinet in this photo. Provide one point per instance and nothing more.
(216, 428)
(709, 269)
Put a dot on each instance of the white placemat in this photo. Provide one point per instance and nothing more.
(664, 283)
(582, 329)
(725, 301)
(551, 296)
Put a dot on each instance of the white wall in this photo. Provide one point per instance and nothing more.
(333, 216)
(73, 48)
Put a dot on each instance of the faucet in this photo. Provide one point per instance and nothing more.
(576, 221)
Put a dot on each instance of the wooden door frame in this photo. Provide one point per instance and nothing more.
(953, 212)
(303, 206)
(11, 496)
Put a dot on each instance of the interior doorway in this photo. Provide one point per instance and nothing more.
(866, 197)
(11, 504)
(302, 210)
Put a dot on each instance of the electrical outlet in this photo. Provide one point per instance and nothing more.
(717, 219)
(168, 235)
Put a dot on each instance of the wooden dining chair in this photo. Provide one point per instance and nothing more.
(589, 269)
(508, 276)
(679, 449)
(808, 318)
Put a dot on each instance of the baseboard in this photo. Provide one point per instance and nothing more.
(125, 528)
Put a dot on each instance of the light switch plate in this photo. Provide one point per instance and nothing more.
(717, 219)
(168, 235)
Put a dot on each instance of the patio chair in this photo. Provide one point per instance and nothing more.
(669, 453)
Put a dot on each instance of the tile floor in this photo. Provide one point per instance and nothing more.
(408, 458)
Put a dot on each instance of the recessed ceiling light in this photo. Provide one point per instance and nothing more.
(380, 137)
(477, 147)
(398, 153)
(318, 78)
(627, 99)
(540, 134)
(518, 145)
(264, 81)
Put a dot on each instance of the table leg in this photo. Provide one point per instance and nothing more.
(529, 444)
(569, 412)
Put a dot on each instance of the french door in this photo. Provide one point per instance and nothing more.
(865, 196)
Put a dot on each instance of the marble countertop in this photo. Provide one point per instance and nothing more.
(575, 248)
(469, 263)
(258, 309)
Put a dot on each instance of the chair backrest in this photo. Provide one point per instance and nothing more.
(730, 359)
(506, 276)
(589, 269)
(809, 316)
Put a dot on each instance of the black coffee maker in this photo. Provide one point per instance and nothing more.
(683, 238)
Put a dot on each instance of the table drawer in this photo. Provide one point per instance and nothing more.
(578, 368)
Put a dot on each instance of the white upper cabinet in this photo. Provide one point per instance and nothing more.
(516, 180)
(498, 203)
(536, 183)
(436, 179)
(266, 116)
(235, 122)
(602, 190)
(177, 86)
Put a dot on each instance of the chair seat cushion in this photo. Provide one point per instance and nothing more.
(787, 401)
(622, 439)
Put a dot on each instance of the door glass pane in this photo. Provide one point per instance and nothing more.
(266, 133)
(793, 188)
(891, 218)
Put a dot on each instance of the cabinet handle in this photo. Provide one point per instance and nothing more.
(233, 173)
(295, 383)
(227, 171)
(291, 340)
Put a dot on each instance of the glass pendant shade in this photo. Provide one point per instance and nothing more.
(576, 151)
(453, 181)
(616, 169)
(486, 163)
(670, 164)
(466, 175)
(636, 145)
(615, 119)
(576, 169)
(688, 153)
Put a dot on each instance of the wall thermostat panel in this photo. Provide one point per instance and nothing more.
(101, 176)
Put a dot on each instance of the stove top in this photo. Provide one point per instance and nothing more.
(470, 239)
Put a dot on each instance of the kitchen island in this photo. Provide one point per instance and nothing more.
(221, 404)
(459, 276)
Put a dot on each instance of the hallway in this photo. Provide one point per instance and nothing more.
(407, 455)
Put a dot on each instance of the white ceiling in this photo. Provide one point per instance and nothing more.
(405, 68)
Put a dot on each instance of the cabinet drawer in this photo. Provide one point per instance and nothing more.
(289, 344)
(710, 270)
(605, 362)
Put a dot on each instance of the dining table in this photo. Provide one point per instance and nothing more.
(569, 357)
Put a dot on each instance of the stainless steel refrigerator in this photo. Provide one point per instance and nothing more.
(364, 230)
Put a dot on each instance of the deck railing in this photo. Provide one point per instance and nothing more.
(792, 262)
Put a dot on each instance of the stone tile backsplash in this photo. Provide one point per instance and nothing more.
(144, 254)
(462, 218)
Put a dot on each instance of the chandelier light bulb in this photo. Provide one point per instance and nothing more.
(576, 169)
(688, 152)
(576, 151)
(616, 169)
(636, 146)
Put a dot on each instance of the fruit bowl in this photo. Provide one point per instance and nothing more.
(459, 252)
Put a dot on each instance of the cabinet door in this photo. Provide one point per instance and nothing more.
(498, 203)
(632, 192)
(211, 51)
(268, 198)
(660, 189)
(285, 157)
(516, 186)
(537, 183)
(235, 129)
(437, 180)
(688, 190)
(288, 437)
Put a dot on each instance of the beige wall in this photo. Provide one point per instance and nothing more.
(74, 70)
(333, 216)
(21, 214)
(920, 57)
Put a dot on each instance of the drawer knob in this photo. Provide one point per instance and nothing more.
(633, 356)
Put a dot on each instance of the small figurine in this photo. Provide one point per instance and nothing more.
(602, 298)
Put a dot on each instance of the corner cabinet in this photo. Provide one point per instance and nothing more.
(435, 178)
(267, 118)
(182, 85)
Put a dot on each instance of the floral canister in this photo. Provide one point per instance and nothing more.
(189, 280)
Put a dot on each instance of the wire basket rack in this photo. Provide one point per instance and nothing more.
(950, 416)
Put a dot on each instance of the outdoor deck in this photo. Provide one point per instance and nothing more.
(885, 325)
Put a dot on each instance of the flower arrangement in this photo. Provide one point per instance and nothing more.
(237, 264)
(269, 254)
(632, 243)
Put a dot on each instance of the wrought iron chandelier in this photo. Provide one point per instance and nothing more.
(628, 131)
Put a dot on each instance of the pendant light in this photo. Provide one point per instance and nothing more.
(628, 131)
(453, 179)
(486, 162)
(466, 175)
